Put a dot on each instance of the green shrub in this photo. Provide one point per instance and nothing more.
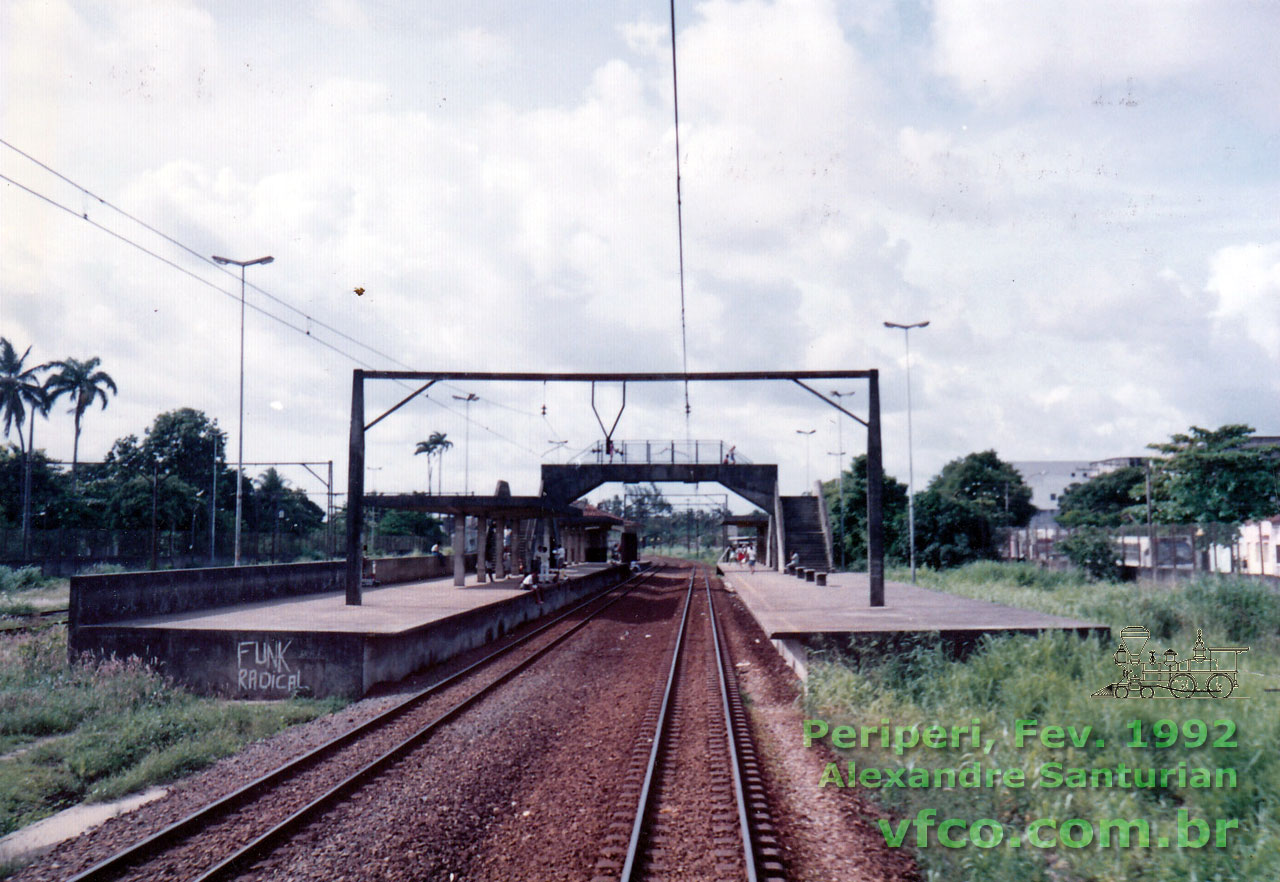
(102, 569)
(21, 579)
(1092, 550)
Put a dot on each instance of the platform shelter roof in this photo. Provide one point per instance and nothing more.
(756, 519)
(474, 506)
(593, 516)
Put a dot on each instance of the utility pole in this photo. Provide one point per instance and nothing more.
(1151, 527)
(213, 506)
(155, 492)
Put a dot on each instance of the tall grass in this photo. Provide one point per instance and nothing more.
(1051, 678)
(95, 731)
(706, 556)
(20, 579)
(26, 590)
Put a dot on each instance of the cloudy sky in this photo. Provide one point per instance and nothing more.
(1081, 197)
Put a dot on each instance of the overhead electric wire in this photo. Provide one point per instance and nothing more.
(311, 320)
(675, 104)
(478, 425)
(196, 254)
(144, 249)
(205, 259)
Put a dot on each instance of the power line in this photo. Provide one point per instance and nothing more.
(258, 309)
(145, 250)
(196, 254)
(311, 320)
(675, 103)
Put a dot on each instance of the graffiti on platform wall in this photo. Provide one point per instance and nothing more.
(262, 666)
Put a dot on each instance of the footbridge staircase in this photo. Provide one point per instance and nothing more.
(805, 531)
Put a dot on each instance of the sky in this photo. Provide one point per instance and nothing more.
(1080, 197)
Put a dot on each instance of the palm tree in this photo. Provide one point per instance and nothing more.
(436, 445)
(83, 383)
(21, 389)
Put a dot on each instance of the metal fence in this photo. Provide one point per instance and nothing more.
(663, 451)
(63, 552)
(1163, 550)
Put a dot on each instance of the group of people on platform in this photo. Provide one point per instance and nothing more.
(745, 555)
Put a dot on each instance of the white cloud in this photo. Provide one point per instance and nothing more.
(1103, 51)
(1246, 280)
(1081, 263)
(343, 14)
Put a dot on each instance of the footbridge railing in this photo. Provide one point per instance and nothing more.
(663, 451)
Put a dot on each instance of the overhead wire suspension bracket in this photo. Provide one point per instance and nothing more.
(608, 433)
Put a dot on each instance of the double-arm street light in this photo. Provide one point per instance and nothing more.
(808, 433)
(240, 453)
(840, 453)
(911, 479)
(466, 474)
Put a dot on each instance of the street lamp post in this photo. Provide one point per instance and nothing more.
(466, 455)
(373, 491)
(240, 452)
(911, 482)
(808, 433)
(840, 451)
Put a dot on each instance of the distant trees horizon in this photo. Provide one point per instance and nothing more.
(24, 395)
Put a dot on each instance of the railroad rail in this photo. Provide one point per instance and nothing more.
(39, 619)
(743, 814)
(354, 746)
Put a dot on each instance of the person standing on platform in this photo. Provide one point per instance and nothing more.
(751, 558)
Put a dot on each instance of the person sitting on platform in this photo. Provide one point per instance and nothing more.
(531, 583)
(793, 563)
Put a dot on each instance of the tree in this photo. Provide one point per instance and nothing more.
(83, 383)
(181, 453)
(951, 531)
(1214, 476)
(287, 508)
(958, 514)
(412, 523)
(1106, 500)
(186, 443)
(20, 391)
(435, 446)
(990, 485)
(48, 486)
(1092, 550)
(851, 522)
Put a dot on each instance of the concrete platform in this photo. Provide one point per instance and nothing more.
(315, 644)
(795, 614)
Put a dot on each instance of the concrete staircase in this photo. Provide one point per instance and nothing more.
(803, 524)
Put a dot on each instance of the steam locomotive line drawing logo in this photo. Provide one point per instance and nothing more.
(1211, 672)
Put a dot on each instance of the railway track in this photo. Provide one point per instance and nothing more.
(226, 837)
(31, 621)
(695, 773)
